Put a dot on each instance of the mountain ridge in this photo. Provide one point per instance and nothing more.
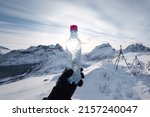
(37, 54)
(4, 50)
(101, 52)
(101, 80)
(137, 47)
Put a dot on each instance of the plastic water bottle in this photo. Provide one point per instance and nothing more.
(73, 47)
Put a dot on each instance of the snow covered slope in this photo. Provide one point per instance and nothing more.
(4, 50)
(47, 58)
(137, 47)
(104, 82)
(101, 81)
(101, 52)
(33, 54)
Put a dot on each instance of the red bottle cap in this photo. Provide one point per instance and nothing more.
(73, 27)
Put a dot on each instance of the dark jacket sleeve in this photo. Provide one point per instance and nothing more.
(62, 92)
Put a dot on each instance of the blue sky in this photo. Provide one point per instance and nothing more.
(33, 22)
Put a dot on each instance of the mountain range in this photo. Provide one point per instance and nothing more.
(40, 67)
(37, 54)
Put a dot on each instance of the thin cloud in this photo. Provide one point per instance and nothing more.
(48, 21)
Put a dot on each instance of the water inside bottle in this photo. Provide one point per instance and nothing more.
(74, 52)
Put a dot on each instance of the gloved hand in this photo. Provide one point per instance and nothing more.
(63, 89)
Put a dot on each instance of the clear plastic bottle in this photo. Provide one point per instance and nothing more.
(73, 47)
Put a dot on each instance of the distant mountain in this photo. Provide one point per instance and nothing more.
(137, 48)
(53, 58)
(46, 58)
(4, 50)
(101, 52)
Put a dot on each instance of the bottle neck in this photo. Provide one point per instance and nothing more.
(73, 34)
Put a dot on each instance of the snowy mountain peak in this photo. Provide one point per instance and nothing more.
(105, 45)
(101, 52)
(33, 54)
(137, 47)
(4, 50)
(59, 47)
(44, 47)
(1, 47)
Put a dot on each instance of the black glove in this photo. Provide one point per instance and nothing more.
(63, 89)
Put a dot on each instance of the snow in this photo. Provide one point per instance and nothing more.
(101, 80)
(4, 50)
(101, 52)
(105, 83)
(32, 55)
(31, 88)
(137, 47)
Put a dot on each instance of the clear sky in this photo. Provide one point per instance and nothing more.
(33, 22)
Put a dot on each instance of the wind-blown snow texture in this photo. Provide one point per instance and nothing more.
(101, 81)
